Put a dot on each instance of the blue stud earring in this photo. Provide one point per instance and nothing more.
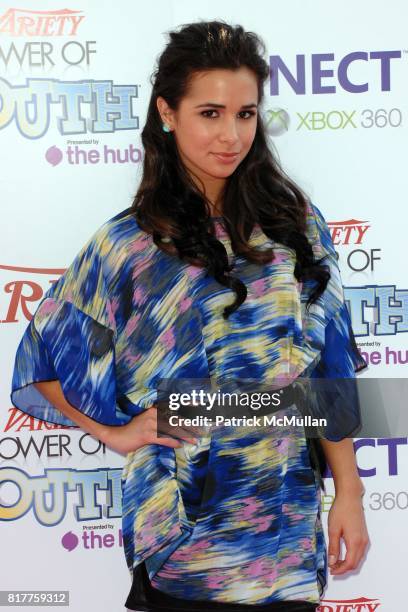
(165, 128)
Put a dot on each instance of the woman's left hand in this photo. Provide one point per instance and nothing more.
(346, 519)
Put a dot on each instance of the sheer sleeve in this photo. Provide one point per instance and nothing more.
(340, 358)
(71, 338)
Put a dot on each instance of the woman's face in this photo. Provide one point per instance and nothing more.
(218, 115)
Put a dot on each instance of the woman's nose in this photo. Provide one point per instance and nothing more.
(229, 131)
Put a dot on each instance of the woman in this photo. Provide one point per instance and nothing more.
(215, 272)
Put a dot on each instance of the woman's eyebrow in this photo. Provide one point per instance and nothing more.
(253, 105)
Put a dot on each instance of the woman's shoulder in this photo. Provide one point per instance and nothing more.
(118, 240)
(113, 249)
(318, 232)
(120, 228)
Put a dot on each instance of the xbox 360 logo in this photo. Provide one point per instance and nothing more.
(277, 121)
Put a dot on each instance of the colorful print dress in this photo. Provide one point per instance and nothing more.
(236, 518)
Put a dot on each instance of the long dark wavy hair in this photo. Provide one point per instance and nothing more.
(168, 204)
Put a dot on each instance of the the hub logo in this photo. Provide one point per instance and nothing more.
(76, 155)
(96, 537)
(321, 73)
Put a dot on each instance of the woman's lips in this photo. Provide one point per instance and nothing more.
(226, 159)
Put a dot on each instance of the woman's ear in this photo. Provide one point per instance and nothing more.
(165, 112)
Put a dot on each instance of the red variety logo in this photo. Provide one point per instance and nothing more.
(23, 22)
(350, 231)
(18, 288)
(362, 604)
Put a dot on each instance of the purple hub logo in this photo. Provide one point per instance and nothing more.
(76, 155)
(102, 536)
(53, 155)
(69, 541)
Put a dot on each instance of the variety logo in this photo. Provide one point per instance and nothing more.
(16, 289)
(347, 232)
(352, 232)
(56, 27)
(309, 78)
(23, 22)
(362, 604)
(31, 106)
(20, 421)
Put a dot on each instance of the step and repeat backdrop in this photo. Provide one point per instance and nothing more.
(74, 88)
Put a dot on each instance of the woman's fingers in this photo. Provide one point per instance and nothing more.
(334, 545)
(169, 430)
(355, 550)
(165, 413)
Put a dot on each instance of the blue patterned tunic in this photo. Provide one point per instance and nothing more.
(236, 517)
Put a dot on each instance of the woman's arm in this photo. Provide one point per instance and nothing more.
(346, 516)
(52, 391)
(342, 462)
(141, 430)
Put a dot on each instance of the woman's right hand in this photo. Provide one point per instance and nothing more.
(141, 430)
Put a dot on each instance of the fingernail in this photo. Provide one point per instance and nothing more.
(332, 559)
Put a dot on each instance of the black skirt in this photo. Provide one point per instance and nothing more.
(144, 597)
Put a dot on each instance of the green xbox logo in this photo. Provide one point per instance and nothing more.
(277, 121)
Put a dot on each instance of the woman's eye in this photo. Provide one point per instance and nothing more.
(208, 111)
(250, 113)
